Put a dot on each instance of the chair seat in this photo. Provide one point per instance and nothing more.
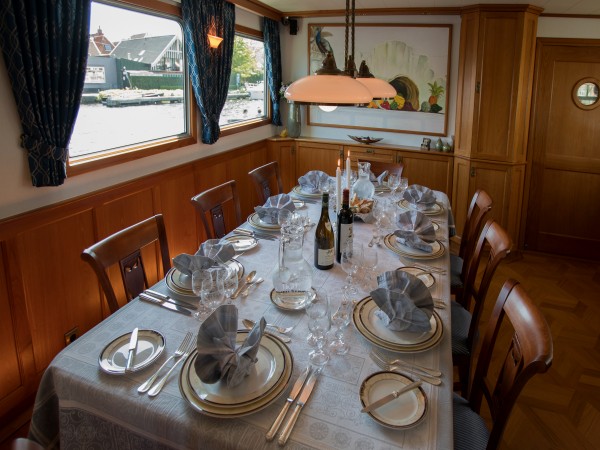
(461, 320)
(470, 430)
(456, 267)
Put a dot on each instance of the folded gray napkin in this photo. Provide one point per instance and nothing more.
(420, 196)
(218, 356)
(378, 180)
(313, 181)
(415, 230)
(219, 254)
(404, 301)
(270, 210)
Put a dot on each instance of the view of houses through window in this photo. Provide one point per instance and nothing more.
(136, 89)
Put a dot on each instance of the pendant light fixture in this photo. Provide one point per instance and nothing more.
(330, 86)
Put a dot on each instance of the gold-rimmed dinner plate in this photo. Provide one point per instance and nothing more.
(291, 300)
(390, 241)
(406, 411)
(181, 284)
(113, 357)
(298, 203)
(374, 330)
(299, 192)
(426, 277)
(241, 243)
(255, 222)
(266, 382)
(435, 209)
(382, 188)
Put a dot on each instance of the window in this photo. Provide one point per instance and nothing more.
(136, 96)
(247, 97)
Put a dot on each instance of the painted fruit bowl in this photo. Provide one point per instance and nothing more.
(365, 139)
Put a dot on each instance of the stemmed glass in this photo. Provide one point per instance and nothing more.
(284, 217)
(210, 289)
(378, 212)
(369, 263)
(403, 185)
(341, 319)
(229, 277)
(351, 259)
(393, 182)
(198, 277)
(319, 324)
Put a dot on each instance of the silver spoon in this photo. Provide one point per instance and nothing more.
(284, 330)
(249, 285)
(248, 279)
(249, 324)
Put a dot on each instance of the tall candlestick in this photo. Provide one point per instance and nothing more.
(338, 188)
(348, 172)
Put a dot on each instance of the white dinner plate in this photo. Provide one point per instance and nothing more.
(291, 300)
(113, 358)
(181, 284)
(265, 383)
(241, 243)
(432, 211)
(374, 330)
(426, 277)
(390, 241)
(406, 411)
(255, 222)
(299, 192)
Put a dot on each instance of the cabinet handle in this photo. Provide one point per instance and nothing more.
(370, 150)
(293, 150)
(478, 87)
(472, 171)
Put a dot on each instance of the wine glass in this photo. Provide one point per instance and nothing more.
(341, 319)
(378, 212)
(369, 263)
(351, 256)
(229, 277)
(403, 185)
(198, 276)
(393, 182)
(284, 216)
(212, 292)
(319, 323)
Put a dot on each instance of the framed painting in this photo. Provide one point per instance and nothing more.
(413, 58)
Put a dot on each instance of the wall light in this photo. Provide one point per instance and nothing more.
(214, 41)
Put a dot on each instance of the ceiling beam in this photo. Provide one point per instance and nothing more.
(259, 8)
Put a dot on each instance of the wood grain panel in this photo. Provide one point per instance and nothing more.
(284, 151)
(60, 292)
(317, 156)
(10, 376)
(368, 153)
(238, 168)
(428, 170)
(460, 190)
(495, 180)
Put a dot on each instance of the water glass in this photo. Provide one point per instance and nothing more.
(229, 277)
(393, 182)
(319, 324)
(198, 277)
(351, 259)
(341, 319)
(403, 185)
(369, 264)
(212, 293)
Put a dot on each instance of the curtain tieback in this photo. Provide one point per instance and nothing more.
(36, 146)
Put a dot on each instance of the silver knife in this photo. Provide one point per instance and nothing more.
(171, 306)
(166, 298)
(132, 348)
(304, 395)
(293, 394)
(394, 395)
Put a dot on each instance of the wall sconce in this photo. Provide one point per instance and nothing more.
(214, 41)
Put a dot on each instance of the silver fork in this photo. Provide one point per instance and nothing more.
(177, 354)
(156, 389)
(378, 354)
(395, 368)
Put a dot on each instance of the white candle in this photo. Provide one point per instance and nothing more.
(348, 171)
(338, 188)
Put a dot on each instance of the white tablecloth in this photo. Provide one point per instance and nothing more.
(87, 408)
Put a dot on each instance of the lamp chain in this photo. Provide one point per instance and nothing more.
(353, 21)
(346, 35)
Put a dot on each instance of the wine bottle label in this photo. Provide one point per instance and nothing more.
(325, 257)
(345, 235)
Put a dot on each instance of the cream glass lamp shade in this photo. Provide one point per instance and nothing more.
(328, 90)
(214, 41)
(378, 87)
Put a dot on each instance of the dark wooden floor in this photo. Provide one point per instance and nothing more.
(561, 408)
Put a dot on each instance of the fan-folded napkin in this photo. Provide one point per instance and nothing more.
(420, 196)
(270, 210)
(204, 258)
(379, 179)
(313, 182)
(404, 301)
(218, 356)
(415, 230)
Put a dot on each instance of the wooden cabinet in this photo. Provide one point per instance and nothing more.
(317, 155)
(430, 169)
(368, 153)
(283, 150)
(493, 106)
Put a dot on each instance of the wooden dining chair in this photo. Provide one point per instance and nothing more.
(210, 202)
(266, 178)
(530, 352)
(481, 204)
(124, 248)
(466, 310)
(378, 167)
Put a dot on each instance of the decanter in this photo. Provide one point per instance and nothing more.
(363, 187)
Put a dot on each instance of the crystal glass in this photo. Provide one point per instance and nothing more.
(341, 319)
(211, 247)
(393, 183)
(198, 276)
(212, 292)
(351, 260)
(284, 216)
(319, 324)
(378, 212)
(369, 265)
(229, 277)
(403, 185)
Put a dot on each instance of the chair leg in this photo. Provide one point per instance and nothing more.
(464, 370)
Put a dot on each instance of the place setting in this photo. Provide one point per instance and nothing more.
(415, 237)
(422, 199)
(311, 185)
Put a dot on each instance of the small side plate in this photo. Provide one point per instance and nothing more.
(291, 300)
(113, 358)
(242, 243)
(298, 203)
(427, 278)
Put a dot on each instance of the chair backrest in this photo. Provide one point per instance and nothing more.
(378, 167)
(481, 204)
(530, 352)
(497, 241)
(264, 178)
(125, 249)
(211, 201)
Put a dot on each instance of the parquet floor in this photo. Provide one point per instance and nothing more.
(561, 408)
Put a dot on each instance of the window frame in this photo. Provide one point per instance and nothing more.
(87, 163)
(252, 123)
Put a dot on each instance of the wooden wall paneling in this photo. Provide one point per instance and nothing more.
(317, 156)
(283, 150)
(495, 180)
(460, 190)
(238, 167)
(428, 169)
(59, 287)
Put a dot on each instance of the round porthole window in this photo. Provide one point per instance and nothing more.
(586, 93)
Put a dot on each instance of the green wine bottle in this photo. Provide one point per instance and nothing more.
(344, 225)
(324, 240)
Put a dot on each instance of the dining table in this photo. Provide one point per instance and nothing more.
(79, 405)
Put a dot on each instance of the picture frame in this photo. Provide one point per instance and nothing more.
(414, 58)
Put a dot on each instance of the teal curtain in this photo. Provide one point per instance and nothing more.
(45, 46)
(273, 62)
(209, 68)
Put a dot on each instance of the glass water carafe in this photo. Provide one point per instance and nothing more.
(294, 273)
(363, 187)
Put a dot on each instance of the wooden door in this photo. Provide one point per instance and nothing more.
(563, 213)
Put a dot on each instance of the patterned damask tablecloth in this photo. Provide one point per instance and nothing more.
(80, 406)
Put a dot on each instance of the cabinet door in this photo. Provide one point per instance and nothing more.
(317, 156)
(433, 171)
(367, 153)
